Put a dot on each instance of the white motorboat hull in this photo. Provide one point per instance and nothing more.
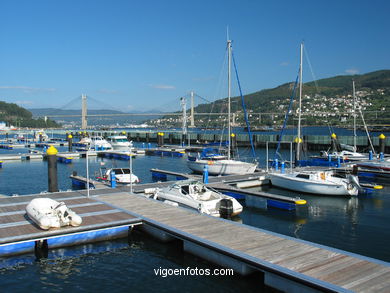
(121, 145)
(315, 187)
(222, 167)
(202, 200)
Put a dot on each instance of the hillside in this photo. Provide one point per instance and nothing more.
(20, 117)
(330, 95)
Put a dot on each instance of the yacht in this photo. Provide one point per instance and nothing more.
(98, 143)
(119, 142)
(122, 175)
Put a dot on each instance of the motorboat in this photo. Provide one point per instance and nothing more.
(122, 175)
(345, 155)
(40, 135)
(48, 213)
(195, 195)
(98, 143)
(85, 140)
(119, 142)
(325, 182)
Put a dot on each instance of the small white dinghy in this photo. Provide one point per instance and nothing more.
(48, 213)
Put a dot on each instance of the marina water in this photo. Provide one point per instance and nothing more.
(355, 224)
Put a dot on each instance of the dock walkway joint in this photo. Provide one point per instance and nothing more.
(315, 266)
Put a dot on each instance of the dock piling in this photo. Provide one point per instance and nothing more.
(52, 168)
(205, 174)
(70, 140)
(112, 179)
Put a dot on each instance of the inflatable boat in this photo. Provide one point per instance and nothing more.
(48, 213)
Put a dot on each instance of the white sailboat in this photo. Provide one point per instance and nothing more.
(220, 165)
(313, 181)
(348, 152)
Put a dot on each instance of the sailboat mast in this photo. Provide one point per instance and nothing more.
(298, 156)
(229, 44)
(354, 115)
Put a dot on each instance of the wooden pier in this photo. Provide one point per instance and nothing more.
(288, 264)
(18, 234)
(230, 185)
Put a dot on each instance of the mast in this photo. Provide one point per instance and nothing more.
(354, 115)
(229, 44)
(299, 140)
(184, 125)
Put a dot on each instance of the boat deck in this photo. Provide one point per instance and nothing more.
(299, 261)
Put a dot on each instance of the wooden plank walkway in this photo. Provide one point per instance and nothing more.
(15, 226)
(314, 265)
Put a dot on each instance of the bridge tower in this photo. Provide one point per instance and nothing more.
(83, 111)
(192, 125)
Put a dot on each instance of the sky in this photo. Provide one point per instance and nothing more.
(144, 55)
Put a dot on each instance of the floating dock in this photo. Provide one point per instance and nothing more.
(230, 185)
(287, 264)
(18, 234)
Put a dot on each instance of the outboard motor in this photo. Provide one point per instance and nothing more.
(354, 181)
(226, 208)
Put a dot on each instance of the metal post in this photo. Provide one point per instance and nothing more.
(229, 44)
(52, 168)
(266, 158)
(131, 168)
(291, 156)
(298, 155)
(87, 163)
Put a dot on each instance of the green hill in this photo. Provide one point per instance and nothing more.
(18, 116)
(332, 95)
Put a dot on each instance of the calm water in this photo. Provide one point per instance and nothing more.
(358, 224)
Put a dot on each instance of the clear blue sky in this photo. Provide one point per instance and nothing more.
(140, 55)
